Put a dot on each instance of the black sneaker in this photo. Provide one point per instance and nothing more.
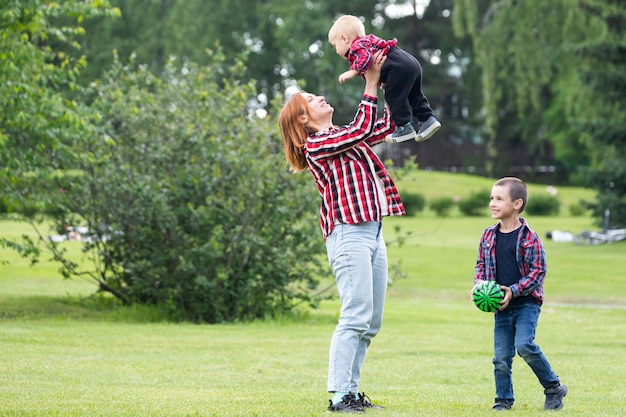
(365, 401)
(501, 405)
(554, 397)
(348, 404)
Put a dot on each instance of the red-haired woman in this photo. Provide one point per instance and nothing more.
(357, 192)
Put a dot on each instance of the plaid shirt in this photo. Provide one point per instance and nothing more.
(363, 49)
(531, 260)
(346, 170)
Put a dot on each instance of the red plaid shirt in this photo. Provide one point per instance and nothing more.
(362, 51)
(345, 170)
(530, 255)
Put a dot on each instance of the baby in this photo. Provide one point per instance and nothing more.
(401, 76)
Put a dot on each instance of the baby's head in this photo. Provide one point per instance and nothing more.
(347, 25)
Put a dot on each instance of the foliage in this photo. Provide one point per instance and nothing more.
(413, 203)
(174, 179)
(598, 106)
(543, 205)
(442, 205)
(577, 209)
(286, 47)
(180, 191)
(553, 77)
(38, 125)
(475, 203)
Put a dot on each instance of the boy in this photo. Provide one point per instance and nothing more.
(519, 266)
(401, 76)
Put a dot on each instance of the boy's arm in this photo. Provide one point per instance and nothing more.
(347, 75)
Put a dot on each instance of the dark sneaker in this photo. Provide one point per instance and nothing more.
(427, 129)
(365, 401)
(501, 406)
(402, 133)
(348, 404)
(554, 397)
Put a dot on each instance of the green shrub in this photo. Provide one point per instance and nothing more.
(577, 209)
(186, 197)
(4, 206)
(413, 203)
(442, 206)
(475, 204)
(543, 205)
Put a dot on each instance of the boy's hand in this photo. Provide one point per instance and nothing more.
(480, 281)
(508, 295)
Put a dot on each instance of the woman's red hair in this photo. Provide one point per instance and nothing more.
(294, 132)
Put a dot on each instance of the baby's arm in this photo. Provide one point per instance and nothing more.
(347, 75)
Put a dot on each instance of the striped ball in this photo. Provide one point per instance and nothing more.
(487, 296)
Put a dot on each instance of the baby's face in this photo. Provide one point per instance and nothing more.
(341, 44)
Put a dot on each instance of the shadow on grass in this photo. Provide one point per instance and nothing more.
(104, 308)
(95, 307)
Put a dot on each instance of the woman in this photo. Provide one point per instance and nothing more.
(357, 192)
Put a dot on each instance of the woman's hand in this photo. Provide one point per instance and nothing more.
(372, 75)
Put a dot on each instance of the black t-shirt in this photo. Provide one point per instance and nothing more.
(507, 271)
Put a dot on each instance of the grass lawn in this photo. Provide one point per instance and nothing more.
(63, 353)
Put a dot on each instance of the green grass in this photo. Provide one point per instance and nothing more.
(64, 353)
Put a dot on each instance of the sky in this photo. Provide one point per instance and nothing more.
(406, 9)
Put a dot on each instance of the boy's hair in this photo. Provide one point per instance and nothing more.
(348, 24)
(517, 189)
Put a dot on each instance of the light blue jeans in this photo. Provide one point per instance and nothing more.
(358, 257)
(514, 330)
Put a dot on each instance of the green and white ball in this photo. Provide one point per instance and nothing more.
(487, 296)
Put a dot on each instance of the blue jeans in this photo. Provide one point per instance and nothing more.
(358, 257)
(514, 330)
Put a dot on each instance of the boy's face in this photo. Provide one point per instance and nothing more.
(341, 43)
(501, 205)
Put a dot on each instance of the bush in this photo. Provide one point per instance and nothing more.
(413, 203)
(442, 206)
(187, 198)
(476, 203)
(577, 209)
(4, 205)
(543, 205)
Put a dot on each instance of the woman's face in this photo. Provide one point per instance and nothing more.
(319, 110)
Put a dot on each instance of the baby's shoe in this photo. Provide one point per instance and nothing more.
(402, 133)
(427, 129)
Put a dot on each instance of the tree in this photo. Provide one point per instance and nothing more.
(598, 105)
(519, 46)
(553, 76)
(37, 124)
